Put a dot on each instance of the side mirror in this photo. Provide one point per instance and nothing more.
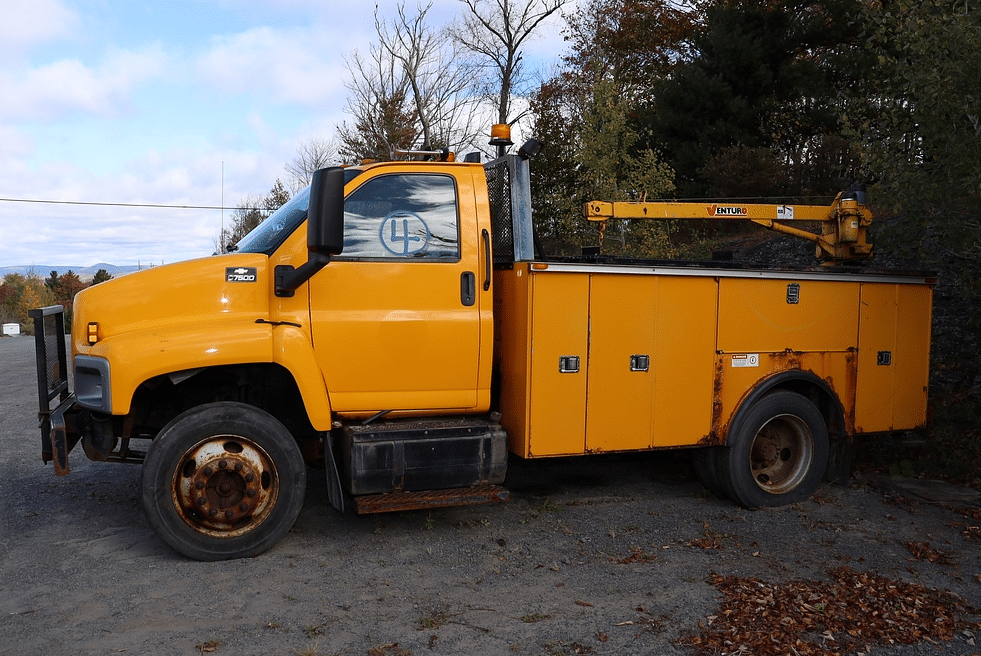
(325, 216)
(325, 230)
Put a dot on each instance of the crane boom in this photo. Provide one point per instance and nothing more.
(843, 223)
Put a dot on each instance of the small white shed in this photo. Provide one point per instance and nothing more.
(11, 329)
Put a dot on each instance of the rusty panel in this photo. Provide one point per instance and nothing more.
(621, 328)
(740, 374)
(559, 329)
(765, 315)
(378, 503)
(684, 359)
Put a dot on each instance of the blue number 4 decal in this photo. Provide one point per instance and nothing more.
(414, 235)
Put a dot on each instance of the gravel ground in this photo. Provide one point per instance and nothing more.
(599, 555)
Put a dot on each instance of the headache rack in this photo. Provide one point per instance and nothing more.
(52, 383)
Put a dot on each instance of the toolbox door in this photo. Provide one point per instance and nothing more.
(893, 357)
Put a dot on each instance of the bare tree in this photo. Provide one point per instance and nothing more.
(413, 91)
(495, 31)
(439, 78)
(383, 119)
(310, 156)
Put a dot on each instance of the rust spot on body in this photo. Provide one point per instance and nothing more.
(377, 503)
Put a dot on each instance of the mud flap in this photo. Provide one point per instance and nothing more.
(61, 435)
(335, 493)
(839, 461)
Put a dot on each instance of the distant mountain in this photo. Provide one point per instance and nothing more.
(84, 273)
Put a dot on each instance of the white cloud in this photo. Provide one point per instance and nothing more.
(16, 147)
(81, 235)
(283, 65)
(26, 23)
(67, 86)
(154, 123)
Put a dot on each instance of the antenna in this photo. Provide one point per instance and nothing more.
(221, 236)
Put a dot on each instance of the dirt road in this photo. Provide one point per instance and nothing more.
(603, 555)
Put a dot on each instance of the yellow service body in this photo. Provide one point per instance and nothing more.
(711, 337)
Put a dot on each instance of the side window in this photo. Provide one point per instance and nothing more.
(402, 216)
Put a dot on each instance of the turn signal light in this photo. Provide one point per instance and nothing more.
(93, 332)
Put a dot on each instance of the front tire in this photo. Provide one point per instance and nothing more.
(779, 453)
(223, 480)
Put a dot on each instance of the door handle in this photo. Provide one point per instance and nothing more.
(468, 288)
(487, 260)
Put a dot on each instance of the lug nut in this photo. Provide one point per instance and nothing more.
(213, 512)
(202, 501)
(208, 471)
(222, 464)
(199, 485)
(229, 514)
(238, 466)
(243, 506)
(250, 493)
(249, 477)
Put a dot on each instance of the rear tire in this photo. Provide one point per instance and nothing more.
(223, 480)
(779, 455)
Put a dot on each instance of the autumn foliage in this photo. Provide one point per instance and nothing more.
(850, 612)
(19, 294)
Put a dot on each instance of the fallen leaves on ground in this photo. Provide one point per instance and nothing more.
(706, 543)
(846, 614)
(637, 555)
(923, 551)
(971, 532)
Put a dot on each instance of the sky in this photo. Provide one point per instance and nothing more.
(176, 102)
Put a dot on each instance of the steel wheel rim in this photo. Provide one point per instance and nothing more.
(225, 486)
(781, 454)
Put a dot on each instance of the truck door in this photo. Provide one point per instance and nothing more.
(395, 317)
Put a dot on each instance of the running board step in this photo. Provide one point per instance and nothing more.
(393, 501)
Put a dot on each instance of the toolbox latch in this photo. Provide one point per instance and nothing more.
(640, 362)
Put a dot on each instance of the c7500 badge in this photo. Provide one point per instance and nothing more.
(240, 274)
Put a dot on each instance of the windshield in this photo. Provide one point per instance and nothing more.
(268, 235)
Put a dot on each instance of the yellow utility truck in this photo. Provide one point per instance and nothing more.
(395, 324)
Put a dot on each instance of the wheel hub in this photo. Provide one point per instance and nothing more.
(225, 486)
(781, 454)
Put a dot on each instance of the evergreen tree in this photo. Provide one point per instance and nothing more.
(763, 75)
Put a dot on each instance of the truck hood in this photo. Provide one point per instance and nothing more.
(208, 292)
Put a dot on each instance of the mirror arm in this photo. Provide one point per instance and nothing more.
(288, 279)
